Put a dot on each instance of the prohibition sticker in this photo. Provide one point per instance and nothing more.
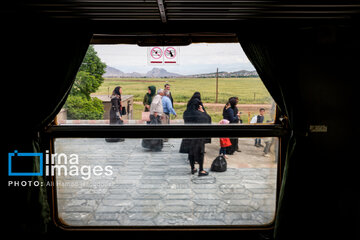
(156, 52)
(163, 55)
(170, 53)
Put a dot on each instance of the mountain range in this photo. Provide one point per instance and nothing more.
(242, 73)
(112, 72)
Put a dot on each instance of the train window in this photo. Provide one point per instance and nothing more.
(215, 73)
(150, 182)
(112, 167)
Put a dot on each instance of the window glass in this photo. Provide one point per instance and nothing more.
(149, 182)
(217, 77)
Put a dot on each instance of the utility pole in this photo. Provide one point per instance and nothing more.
(217, 85)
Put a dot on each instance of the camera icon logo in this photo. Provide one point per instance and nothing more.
(17, 154)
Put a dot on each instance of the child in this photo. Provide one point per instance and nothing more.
(224, 142)
(258, 119)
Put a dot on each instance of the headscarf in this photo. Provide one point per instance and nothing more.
(116, 91)
(226, 112)
(193, 115)
(116, 99)
(233, 102)
(151, 95)
(197, 96)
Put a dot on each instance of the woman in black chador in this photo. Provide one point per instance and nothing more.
(195, 114)
(196, 97)
(115, 111)
(192, 107)
(115, 108)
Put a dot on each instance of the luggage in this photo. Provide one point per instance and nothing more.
(145, 116)
(116, 122)
(114, 139)
(219, 164)
(154, 145)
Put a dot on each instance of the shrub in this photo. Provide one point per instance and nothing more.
(82, 108)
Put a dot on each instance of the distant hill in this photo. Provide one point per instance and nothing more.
(160, 73)
(112, 72)
(242, 73)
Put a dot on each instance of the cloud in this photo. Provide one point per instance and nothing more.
(195, 58)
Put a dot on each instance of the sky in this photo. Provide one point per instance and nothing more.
(193, 59)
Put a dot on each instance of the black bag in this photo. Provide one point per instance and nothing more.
(123, 111)
(219, 164)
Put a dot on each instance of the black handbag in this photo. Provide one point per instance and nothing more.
(123, 111)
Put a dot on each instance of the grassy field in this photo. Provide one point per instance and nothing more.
(249, 91)
(214, 111)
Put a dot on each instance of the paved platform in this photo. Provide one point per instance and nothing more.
(156, 188)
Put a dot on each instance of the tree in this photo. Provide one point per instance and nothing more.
(88, 79)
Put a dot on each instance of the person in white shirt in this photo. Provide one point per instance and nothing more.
(156, 108)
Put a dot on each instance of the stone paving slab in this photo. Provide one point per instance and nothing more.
(156, 188)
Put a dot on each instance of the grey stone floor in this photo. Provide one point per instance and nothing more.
(156, 188)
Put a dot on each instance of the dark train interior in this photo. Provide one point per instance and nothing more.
(305, 52)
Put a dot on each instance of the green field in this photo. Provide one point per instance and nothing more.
(249, 91)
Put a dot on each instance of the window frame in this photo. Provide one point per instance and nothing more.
(279, 128)
(164, 131)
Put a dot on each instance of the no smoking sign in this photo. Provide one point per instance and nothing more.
(170, 53)
(156, 53)
(163, 55)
